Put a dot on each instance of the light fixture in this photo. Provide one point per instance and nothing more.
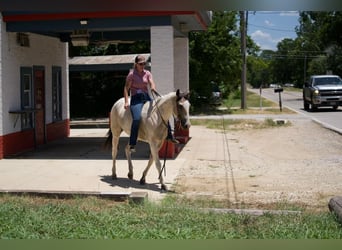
(83, 21)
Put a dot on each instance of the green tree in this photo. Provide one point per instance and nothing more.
(321, 34)
(215, 55)
(258, 71)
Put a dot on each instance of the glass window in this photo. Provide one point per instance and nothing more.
(26, 97)
(56, 94)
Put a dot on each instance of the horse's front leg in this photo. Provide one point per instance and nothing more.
(130, 165)
(155, 157)
(143, 178)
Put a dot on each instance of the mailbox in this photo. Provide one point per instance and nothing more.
(278, 90)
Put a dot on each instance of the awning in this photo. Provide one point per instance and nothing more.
(104, 63)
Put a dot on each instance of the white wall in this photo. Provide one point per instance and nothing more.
(181, 63)
(162, 58)
(43, 51)
(1, 85)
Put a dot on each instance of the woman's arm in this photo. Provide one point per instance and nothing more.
(126, 90)
(152, 84)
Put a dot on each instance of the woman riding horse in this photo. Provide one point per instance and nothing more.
(137, 82)
(153, 127)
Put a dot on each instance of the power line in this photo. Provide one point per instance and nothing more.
(267, 28)
(291, 56)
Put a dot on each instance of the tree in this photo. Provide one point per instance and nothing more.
(215, 55)
(321, 34)
(258, 73)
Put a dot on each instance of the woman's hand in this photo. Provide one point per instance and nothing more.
(126, 105)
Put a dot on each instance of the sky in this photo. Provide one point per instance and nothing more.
(267, 28)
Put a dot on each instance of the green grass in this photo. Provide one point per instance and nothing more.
(237, 124)
(252, 100)
(94, 218)
(232, 105)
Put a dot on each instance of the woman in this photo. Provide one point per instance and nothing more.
(137, 82)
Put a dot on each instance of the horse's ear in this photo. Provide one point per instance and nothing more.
(187, 95)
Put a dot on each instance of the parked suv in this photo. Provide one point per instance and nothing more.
(322, 90)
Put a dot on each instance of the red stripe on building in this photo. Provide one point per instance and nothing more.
(80, 15)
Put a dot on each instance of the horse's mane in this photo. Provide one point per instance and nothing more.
(161, 99)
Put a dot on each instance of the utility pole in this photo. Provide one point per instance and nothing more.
(243, 28)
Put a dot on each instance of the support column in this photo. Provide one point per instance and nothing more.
(1, 93)
(181, 63)
(162, 58)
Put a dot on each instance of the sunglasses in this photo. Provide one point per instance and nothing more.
(141, 64)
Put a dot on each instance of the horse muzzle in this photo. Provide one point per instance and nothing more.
(185, 124)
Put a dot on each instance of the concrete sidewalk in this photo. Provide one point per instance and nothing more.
(81, 164)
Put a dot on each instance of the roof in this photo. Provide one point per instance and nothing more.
(103, 63)
(105, 25)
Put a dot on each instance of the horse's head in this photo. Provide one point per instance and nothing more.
(183, 107)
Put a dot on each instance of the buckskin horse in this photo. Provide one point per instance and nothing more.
(152, 129)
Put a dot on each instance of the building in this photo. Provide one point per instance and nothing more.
(34, 70)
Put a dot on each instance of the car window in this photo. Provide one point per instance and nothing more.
(327, 81)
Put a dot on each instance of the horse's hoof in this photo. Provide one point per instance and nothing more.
(130, 176)
(163, 187)
(142, 181)
(114, 177)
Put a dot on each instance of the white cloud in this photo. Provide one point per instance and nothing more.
(269, 23)
(260, 35)
(289, 13)
(265, 40)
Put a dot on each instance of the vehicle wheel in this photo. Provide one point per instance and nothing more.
(306, 105)
(313, 108)
(335, 107)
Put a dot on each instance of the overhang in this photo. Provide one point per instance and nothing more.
(105, 25)
(103, 63)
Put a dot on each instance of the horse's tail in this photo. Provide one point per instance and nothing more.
(108, 141)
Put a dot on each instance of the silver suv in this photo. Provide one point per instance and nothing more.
(322, 90)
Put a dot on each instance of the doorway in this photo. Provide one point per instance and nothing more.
(39, 105)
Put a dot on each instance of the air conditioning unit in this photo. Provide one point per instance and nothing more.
(80, 38)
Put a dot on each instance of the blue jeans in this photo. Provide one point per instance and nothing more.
(136, 105)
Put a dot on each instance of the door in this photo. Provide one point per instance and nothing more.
(39, 104)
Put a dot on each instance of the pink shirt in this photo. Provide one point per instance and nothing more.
(139, 81)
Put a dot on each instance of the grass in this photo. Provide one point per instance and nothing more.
(93, 218)
(232, 105)
(238, 124)
(252, 100)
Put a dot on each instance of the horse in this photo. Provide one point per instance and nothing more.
(152, 129)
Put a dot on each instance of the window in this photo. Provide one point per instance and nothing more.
(56, 94)
(26, 97)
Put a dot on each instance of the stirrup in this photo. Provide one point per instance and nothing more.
(132, 148)
(173, 140)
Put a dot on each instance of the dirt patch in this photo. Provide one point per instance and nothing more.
(301, 164)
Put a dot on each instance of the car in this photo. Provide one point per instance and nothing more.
(274, 85)
(216, 95)
(322, 90)
(288, 85)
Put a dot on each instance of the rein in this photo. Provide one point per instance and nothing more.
(158, 110)
(167, 144)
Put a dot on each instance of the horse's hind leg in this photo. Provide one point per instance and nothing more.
(143, 178)
(130, 165)
(115, 142)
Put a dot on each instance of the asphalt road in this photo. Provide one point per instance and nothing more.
(294, 100)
